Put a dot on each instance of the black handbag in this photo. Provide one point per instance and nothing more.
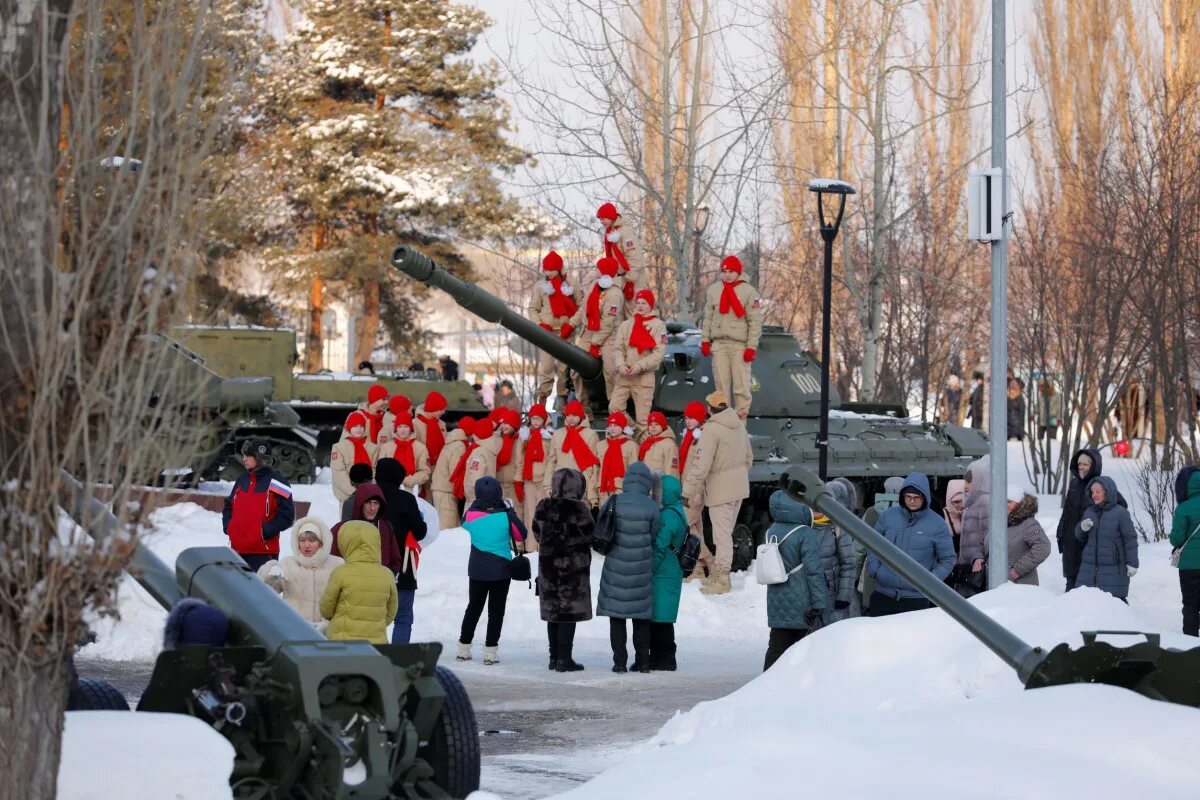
(689, 554)
(605, 529)
(968, 583)
(520, 568)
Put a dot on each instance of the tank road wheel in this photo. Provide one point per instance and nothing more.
(295, 463)
(97, 695)
(453, 749)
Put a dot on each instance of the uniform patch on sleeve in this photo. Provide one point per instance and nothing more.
(629, 243)
(757, 303)
(333, 456)
(675, 462)
(612, 311)
(662, 339)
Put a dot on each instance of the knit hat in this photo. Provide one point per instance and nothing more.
(483, 429)
(398, 403)
(574, 409)
(509, 417)
(608, 266)
(1016, 493)
(538, 410)
(467, 425)
(732, 264)
(355, 419)
(695, 410)
(659, 418)
(360, 473)
(647, 295)
(404, 418)
(619, 419)
(607, 211)
(434, 401)
(717, 399)
(376, 393)
(552, 262)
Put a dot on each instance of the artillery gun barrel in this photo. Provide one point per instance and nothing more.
(488, 307)
(1004, 643)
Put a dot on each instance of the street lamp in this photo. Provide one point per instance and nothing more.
(829, 232)
(699, 223)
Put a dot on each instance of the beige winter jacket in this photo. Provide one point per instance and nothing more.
(419, 426)
(663, 455)
(557, 459)
(722, 461)
(646, 364)
(420, 476)
(481, 464)
(341, 458)
(539, 467)
(301, 580)
(508, 474)
(539, 307)
(629, 453)
(730, 327)
(456, 443)
(612, 313)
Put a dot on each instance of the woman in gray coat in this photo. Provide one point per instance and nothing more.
(627, 580)
(1109, 543)
(841, 559)
(1028, 544)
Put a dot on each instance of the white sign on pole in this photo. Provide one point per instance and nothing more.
(985, 205)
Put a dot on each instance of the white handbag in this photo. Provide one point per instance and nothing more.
(768, 563)
(1177, 552)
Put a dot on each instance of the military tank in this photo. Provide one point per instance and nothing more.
(320, 401)
(867, 442)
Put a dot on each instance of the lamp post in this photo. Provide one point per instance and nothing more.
(699, 223)
(829, 232)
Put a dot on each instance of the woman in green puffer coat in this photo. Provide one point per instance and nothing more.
(668, 576)
(1185, 537)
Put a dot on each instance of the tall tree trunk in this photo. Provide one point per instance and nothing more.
(314, 350)
(367, 332)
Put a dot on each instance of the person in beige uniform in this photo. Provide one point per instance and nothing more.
(601, 313)
(641, 346)
(658, 449)
(574, 446)
(534, 443)
(508, 422)
(616, 453)
(355, 448)
(694, 415)
(482, 462)
(443, 488)
(553, 308)
(722, 469)
(624, 247)
(730, 334)
(397, 404)
(403, 446)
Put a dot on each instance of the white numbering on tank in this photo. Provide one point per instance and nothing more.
(805, 382)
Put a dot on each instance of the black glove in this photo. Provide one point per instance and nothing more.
(841, 605)
(813, 618)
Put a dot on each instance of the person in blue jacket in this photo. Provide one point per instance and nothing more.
(917, 530)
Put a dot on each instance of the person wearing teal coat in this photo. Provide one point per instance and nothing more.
(1185, 536)
(796, 606)
(668, 576)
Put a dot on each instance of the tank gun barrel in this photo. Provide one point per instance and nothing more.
(488, 307)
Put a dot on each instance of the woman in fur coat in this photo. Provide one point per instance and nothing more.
(562, 524)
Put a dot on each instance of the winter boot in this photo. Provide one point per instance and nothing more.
(464, 652)
(490, 656)
(566, 663)
(717, 583)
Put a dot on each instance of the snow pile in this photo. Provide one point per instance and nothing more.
(105, 754)
(930, 710)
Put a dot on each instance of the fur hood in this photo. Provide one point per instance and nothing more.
(1028, 507)
(322, 530)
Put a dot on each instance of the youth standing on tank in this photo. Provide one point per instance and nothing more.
(668, 576)
(562, 524)
(553, 307)
(404, 517)
(918, 531)
(798, 605)
(624, 247)
(1109, 556)
(641, 346)
(259, 507)
(601, 315)
(1185, 538)
(626, 582)
(730, 334)
(496, 533)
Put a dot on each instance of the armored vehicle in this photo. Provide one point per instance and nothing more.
(320, 401)
(867, 442)
(307, 717)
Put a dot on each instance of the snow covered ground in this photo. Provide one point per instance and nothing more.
(914, 696)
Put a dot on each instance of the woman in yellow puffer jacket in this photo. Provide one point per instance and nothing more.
(360, 600)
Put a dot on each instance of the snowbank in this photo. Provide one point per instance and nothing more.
(930, 710)
(142, 756)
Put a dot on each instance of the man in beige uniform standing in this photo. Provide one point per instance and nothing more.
(732, 328)
(641, 346)
(722, 471)
(553, 308)
(621, 245)
(600, 314)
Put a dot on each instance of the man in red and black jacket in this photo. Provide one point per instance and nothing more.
(259, 508)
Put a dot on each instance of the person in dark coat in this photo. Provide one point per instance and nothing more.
(404, 516)
(1110, 546)
(562, 525)
(369, 506)
(259, 507)
(1086, 466)
(1015, 411)
(975, 401)
(359, 474)
(917, 530)
(627, 580)
(797, 605)
(840, 564)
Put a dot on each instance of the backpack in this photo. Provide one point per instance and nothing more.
(768, 563)
(605, 529)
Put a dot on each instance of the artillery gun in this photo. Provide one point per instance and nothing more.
(1145, 667)
(867, 442)
(307, 717)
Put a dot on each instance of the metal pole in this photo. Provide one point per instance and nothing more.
(828, 232)
(998, 425)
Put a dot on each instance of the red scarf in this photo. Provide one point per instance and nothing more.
(647, 443)
(729, 300)
(435, 440)
(593, 307)
(614, 465)
(361, 456)
(412, 552)
(374, 424)
(560, 304)
(613, 250)
(574, 444)
(639, 335)
(683, 449)
(404, 454)
(534, 453)
(506, 450)
(460, 471)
